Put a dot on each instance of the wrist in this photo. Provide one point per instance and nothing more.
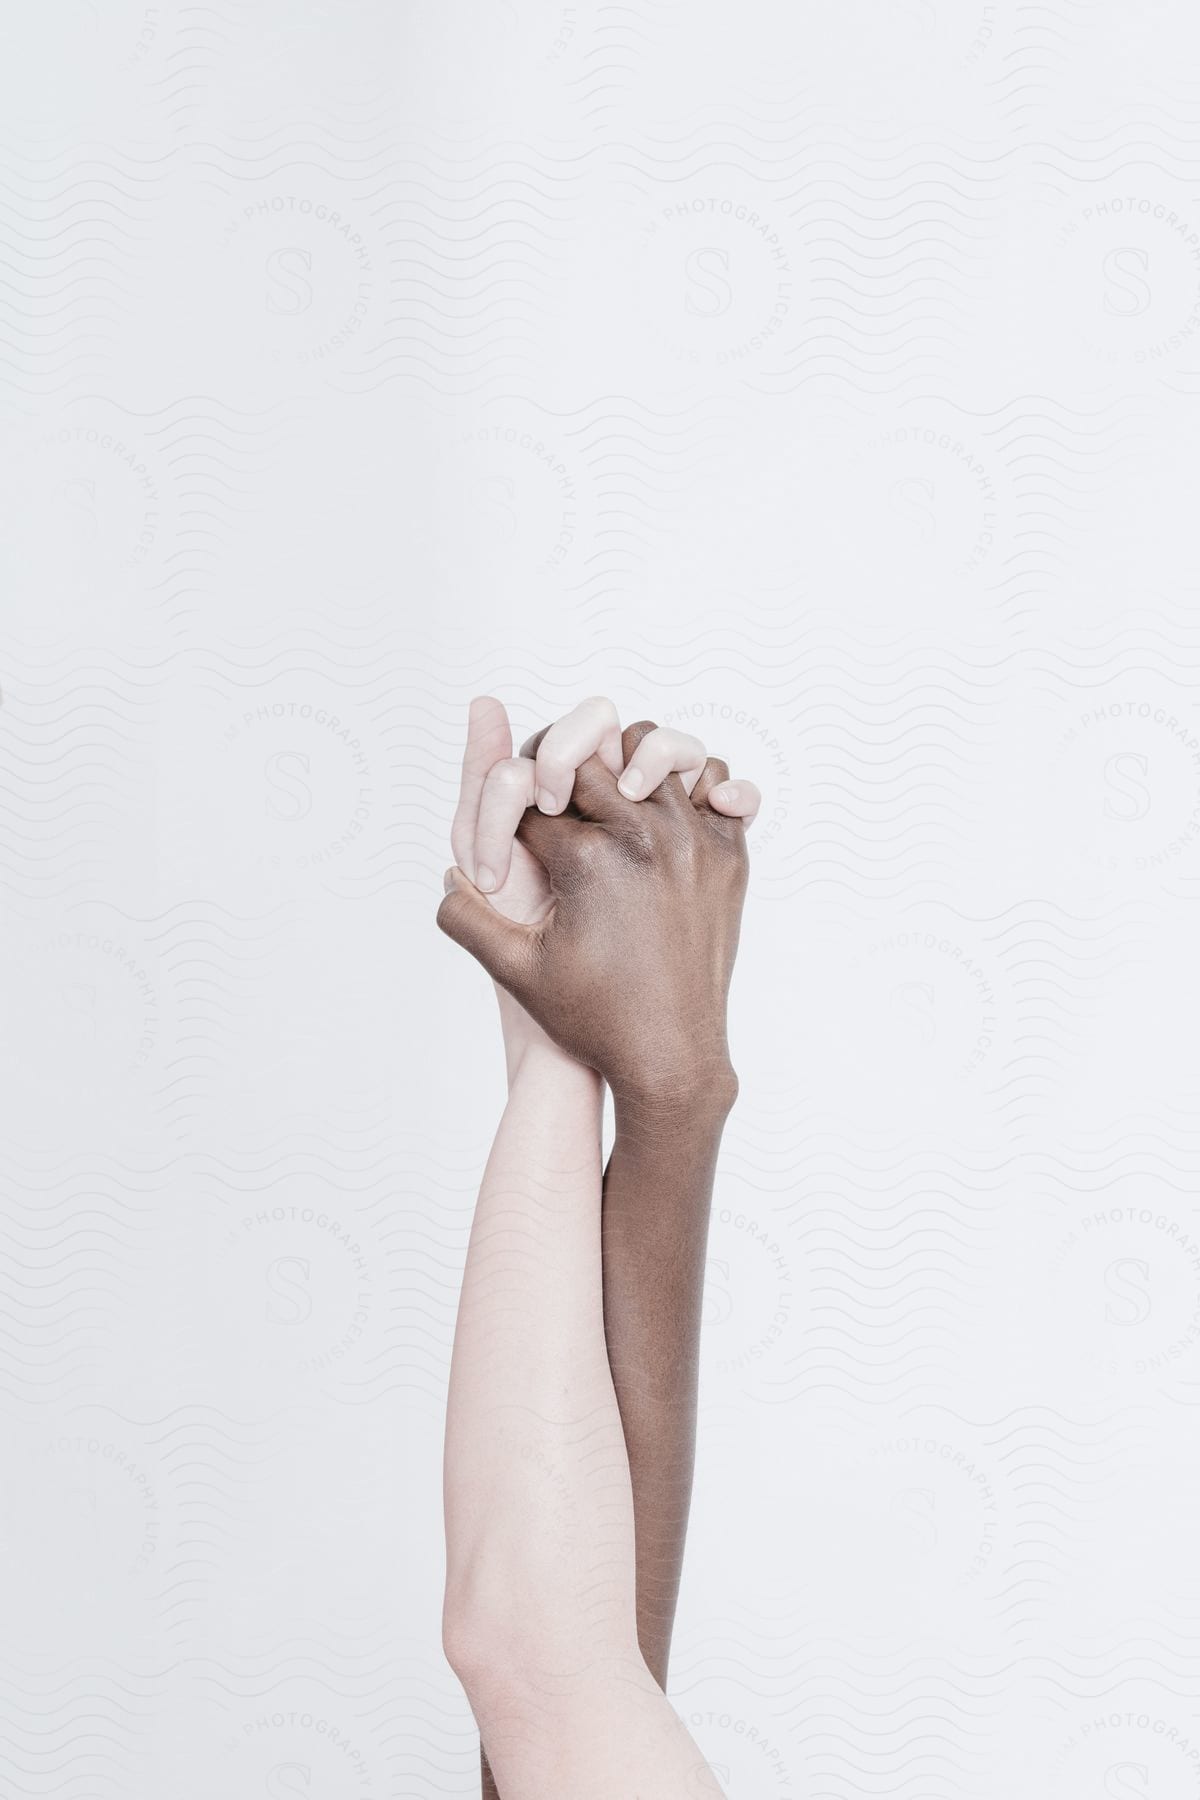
(524, 1040)
(535, 1057)
(692, 1095)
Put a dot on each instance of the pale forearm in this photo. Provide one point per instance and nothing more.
(540, 1617)
(538, 1510)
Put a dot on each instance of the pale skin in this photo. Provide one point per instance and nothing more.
(538, 1495)
(540, 1619)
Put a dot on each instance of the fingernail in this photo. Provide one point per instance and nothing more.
(547, 802)
(485, 881)
(728, 790)
(448, 880)
(631, 783)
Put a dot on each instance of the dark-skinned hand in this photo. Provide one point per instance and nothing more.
(629, 968)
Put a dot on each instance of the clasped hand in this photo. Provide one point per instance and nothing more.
(615, 923)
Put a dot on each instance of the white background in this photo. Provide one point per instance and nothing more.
(823, 376)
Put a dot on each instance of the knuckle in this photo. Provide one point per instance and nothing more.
(579, 862)
(531, 827)
(509, 776)
(633, 735)
(554, 764)
(641, 842)
(688, 848)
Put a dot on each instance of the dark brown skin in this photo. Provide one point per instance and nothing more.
(629, 970)
(630, 973)
(654, 1234)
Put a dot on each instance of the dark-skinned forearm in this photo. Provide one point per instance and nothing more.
(657, 1199)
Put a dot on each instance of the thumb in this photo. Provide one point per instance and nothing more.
(501, 945)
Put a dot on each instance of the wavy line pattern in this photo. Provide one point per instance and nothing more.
(821, 380)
